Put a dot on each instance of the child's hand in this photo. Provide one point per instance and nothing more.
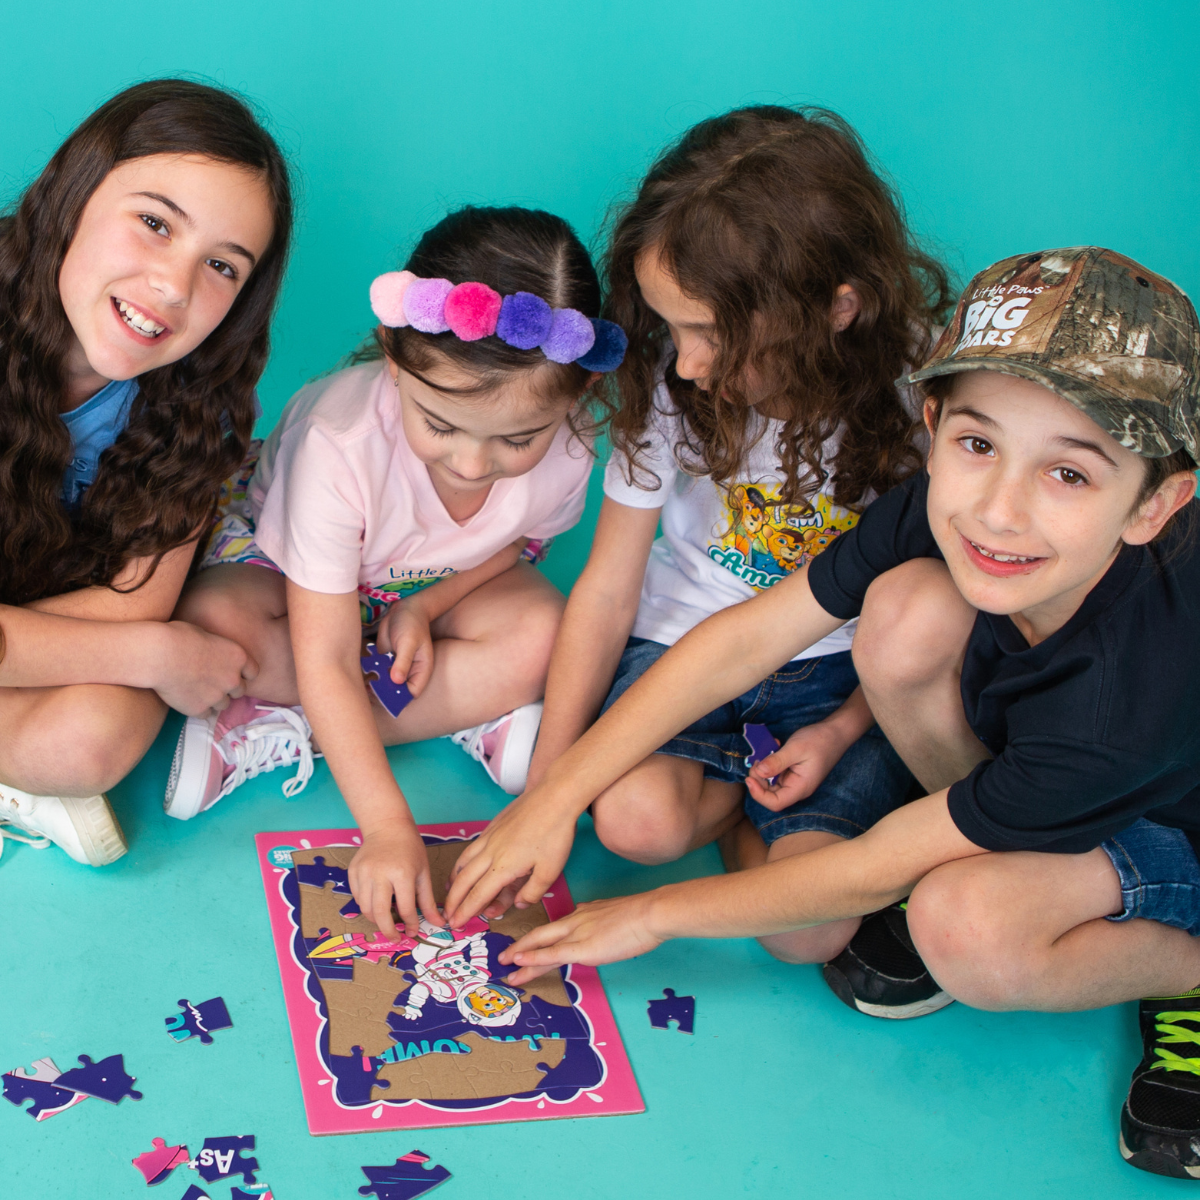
(800, 764)
(517, 857)
(603, 931)
(404, 632)
(392, 862)
(199, 672)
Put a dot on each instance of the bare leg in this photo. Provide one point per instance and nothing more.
(1021, 930)
(908, 651)
(248, 605)
(743, 848)
(663, 808)
(491, 653)
(75, 741)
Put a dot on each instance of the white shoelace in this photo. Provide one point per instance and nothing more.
(271, 744)
(38, 842)
(471, 740)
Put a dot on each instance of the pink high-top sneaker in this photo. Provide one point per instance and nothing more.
(504, 746)
(216, 754)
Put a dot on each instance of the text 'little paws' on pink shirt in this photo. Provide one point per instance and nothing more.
(341, 502)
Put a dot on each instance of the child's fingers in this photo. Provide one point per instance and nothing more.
(406, 904)
(379, 906)
(535, 888)
(462, 890)
(429, 908)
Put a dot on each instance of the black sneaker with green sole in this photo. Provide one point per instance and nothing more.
(1160, 1121)
(880, 972)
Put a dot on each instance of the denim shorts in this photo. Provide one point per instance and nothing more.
(1160, 877)
(868, 782)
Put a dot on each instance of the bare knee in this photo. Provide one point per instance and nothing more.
(913, 627)
(84, 740)
(638, 825)
(961, 923)
(816, 945)
(535, 631)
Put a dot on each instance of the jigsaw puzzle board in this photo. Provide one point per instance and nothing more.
(422, 1032)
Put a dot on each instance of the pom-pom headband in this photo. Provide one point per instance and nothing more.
(473, 310)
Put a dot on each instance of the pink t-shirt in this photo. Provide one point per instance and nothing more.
(341, 503)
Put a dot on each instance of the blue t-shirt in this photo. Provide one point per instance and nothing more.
(94, 426)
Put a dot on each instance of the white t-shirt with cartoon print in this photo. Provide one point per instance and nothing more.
(720, 544)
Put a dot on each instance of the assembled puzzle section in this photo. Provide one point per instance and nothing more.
(420, 1031)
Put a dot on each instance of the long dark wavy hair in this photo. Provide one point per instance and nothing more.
(761, 214)
(191, 421)
(511, 250)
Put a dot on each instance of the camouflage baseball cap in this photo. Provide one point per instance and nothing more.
(1119, 342)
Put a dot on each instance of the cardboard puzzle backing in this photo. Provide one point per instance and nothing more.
(423, 1032)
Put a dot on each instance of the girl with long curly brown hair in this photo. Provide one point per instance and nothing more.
(772, 295)
(138, 276)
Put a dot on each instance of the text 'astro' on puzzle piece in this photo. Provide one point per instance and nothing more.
(421, 1030)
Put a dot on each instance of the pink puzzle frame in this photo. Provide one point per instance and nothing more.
(616, 1094)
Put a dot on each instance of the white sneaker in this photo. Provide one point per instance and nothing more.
(86, 828)
(249, 737)
(504, 745)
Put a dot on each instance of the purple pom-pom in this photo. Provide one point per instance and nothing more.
(425, 304)
(609, 350)
(525, 320)
(571, 335)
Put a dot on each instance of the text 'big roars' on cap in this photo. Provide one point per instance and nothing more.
(1118, 341)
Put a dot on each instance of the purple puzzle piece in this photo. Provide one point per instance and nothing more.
(317, 874)
(46, 1098)
(680, 1009)
(761, 742)
(222, 1156)
(195, 1193)
(377, 669)
(199, 1020)
(106, 1079)
(406, 1179)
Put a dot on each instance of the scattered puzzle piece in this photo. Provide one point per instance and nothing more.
(377, 669)
(106, 1079)
(260, 1192)
(47, 1099)
(221, 1157)
(408, 1178)
(155, 1165)
(680, 1009)
(761, 742)
(195, 1193)
(199, 1020)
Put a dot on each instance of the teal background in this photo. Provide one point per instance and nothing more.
(1007, 127)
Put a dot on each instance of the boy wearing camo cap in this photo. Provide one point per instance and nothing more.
(1029, 641)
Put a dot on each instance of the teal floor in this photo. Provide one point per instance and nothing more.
(782, 1091)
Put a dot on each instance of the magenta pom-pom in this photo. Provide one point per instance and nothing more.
(525, 320)
(425, 304)
(471, 311)
(571, 336)
(387, 297)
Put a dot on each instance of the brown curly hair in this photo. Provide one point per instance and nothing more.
(191, 421)
(761, 214)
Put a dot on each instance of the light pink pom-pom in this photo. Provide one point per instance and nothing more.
(472, 310)
(387, 297)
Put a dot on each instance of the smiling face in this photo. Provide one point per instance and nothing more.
(1030, 500)
(467, 442)
(163, 247)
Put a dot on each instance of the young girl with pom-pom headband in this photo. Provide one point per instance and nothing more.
(403, 500)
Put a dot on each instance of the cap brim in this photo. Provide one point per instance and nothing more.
(1152, 440)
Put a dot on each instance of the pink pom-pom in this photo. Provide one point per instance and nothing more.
(472, 310)
(425, 304)
(387, 297)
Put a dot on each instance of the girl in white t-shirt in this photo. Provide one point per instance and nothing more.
(396, 501)
(772, 295)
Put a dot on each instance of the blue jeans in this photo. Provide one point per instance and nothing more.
(1160, 877)
(868, 782)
